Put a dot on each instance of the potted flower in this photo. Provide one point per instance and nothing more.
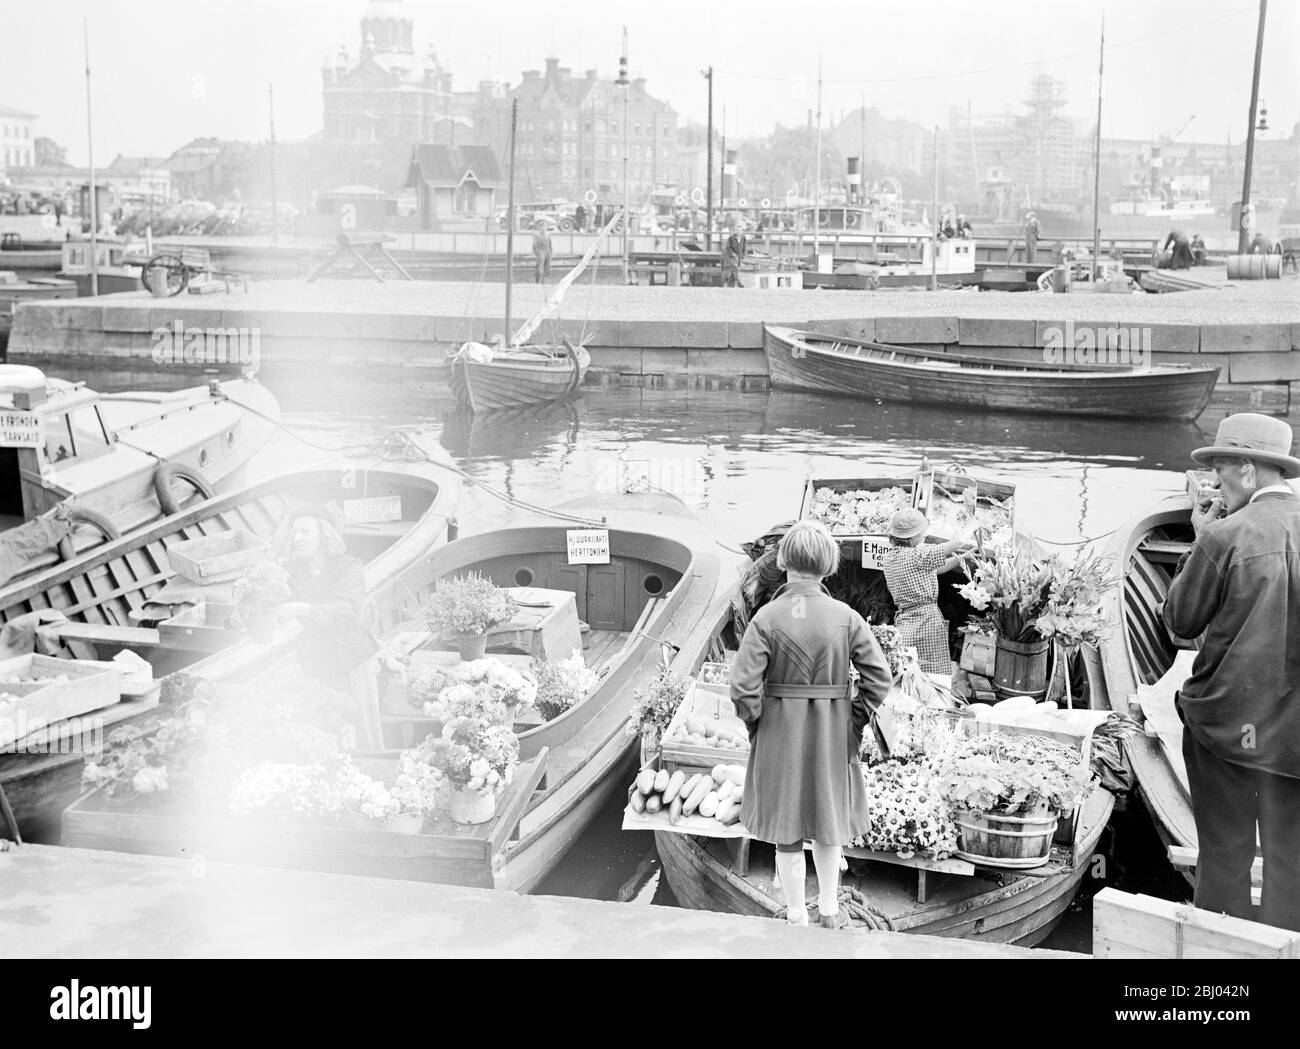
(478, 760)
(1009, 791)
(467, 607)
(485, 688)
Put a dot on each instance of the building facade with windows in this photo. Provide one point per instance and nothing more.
(388, 94)
(17, 139)
(573, 133)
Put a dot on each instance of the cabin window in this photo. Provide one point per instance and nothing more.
(79, 434)
(652, 585)
(466, 202)
(58, 439)
(524, 577)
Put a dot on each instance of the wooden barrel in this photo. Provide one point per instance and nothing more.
(1020, 669)
(1005, 841)
(1254, 267)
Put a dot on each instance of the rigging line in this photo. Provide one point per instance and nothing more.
(399, 446)
(994, 69)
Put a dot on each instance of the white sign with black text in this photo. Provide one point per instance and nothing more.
(588, 546)
(874, 548)
(372, 511)
(21, 430)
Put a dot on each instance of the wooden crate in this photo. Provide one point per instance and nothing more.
(990, 496)
(89, 687)
(851, 484)
(1131, 925)
(701, 703)
(217, 558)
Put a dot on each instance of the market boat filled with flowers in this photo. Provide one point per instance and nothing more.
(933, 765)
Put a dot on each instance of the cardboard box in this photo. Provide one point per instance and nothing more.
(978, 653)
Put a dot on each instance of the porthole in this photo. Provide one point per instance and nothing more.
(230, 439)
(652, 585)
(203, 457)
(524, 577)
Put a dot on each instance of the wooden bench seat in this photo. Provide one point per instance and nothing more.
(104, 634)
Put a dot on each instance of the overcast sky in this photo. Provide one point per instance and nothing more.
(165, 71)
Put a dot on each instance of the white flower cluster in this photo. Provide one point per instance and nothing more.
(486, 688)
(420, 787)
(909, 813)
(860, 511)
(308, 790)
(365, 794)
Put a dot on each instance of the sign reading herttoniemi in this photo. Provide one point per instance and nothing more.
(588, 546)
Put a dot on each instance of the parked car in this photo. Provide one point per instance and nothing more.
(559, 213)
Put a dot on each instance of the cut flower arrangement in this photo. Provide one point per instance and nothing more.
(654, 708)
(258, 591)
(860, 511)
(1023, 600)
(476, 755)
(485, 688)
(909, 813)
(468, 605)
(563, 683)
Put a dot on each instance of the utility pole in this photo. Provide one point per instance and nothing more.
(1096, 160)
(275, 199)
(722, 169)
(510, 220)
(817, 169)
(708, 169)
(626, 84)
(934, 240)
(94, 195)
(1243, 236)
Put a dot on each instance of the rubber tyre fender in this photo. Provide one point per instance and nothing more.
(84, 515)
(169, 472)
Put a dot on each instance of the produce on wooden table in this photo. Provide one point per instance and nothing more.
(674, 788)
(858, 512)
(716, 794)
(712, 732)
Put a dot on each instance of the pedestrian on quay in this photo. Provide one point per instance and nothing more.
(1239, 586)
(912, 568)
(1180, 249)
(807, 679)
(1198, 250)
(1260, 244)
(1032, 231)
(541, 251)
(732, 251)
(580, 219)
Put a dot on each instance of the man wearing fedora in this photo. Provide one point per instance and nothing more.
(1239, 585)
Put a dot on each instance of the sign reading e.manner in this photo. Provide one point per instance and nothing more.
(588, 546)
(21, 430)
(874, 548)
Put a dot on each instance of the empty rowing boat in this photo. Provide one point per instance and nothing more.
(801, 360)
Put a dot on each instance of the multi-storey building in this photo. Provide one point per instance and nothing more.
(573, 132)
(17, 143)
(388, 94)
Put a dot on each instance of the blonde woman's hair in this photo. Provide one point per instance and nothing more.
(809, 547)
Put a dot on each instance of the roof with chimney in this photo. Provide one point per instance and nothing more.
(443, 166)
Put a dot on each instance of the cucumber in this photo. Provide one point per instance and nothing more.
(736, 773)
(726, 790)
(701, 791)
(709, 806)
(719, 774)
(645, 781)
(661, 781)
(637, 802)
(675, 810)
(729, 814)
(674, 788)
(691, 783)
(653, 804)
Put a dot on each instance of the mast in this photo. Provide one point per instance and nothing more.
(862, 153)
(275, 205)
(510, 215)
(1243, 236)
(817, 168)
(934, 241)
(1096, 159)
(90, 147)
(708, 172)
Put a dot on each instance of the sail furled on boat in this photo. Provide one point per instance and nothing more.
(552, 306)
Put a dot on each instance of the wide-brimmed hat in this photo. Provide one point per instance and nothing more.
(1249, 435)
(906, 524)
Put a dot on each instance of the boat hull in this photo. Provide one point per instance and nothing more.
(516, 379)
(820, 364)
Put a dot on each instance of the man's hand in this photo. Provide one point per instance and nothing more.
(1205, 512)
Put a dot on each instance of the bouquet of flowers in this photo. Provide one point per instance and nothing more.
(137, 762)
(1013, 775)
(365, 794)
(909, 813)
(288, 789)
(421, 785)
(860, 511)
(258, 591)
(1026, 600)
(468, 605)
(485, 688)
(562, 684)
(894, 650)
(478, 756)
(654, 708)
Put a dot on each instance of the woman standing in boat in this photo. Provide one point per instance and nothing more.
(912, 569)
(806, 680)
(328, 587)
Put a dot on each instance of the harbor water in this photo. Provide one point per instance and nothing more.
(739, 462)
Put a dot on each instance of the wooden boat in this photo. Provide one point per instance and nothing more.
(516, 374)
(120, 461)
(800, 360)
(940, 898)
(518, 377)
(102, 593)
(664, 576)
(1142, 664)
